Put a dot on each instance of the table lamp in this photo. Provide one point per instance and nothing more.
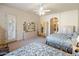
(77, 41)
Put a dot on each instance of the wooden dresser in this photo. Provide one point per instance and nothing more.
(3, 45)
(4, 48)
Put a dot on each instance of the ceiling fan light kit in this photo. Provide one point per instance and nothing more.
(41, 11)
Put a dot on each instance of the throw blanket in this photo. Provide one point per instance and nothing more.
(37, 49)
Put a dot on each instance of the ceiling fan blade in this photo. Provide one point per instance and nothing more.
(47, 10)
(41, 11)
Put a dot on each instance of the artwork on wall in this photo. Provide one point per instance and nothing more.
(24, 27)
(29, 27)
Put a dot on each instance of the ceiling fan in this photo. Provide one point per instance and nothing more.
(41, 10)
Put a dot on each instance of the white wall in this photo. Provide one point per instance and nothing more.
(67, 18)
(2, 19)
(21, 16)
(78, 20)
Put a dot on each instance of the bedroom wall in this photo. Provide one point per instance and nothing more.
(2, 26)
(69, 18)
(66, 18)
(21, 16)
(78, 20)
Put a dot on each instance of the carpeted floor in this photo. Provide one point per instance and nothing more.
(15, 45)
(37, 49)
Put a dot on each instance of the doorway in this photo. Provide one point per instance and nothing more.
(54, 25)
(11, 27)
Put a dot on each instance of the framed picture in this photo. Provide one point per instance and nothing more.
(29, 27)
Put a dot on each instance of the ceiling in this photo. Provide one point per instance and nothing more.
(54, 7)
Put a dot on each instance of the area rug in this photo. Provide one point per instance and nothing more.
(37, 49)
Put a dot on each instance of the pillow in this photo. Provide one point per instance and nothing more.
(74, 37)
(69, 29)
(77, 33)
(66, 29)
(62, 29)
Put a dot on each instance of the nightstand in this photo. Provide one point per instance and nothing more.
(75, 50)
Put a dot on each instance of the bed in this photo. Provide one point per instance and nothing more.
(37, 49)
(60, 41)
(64, 39)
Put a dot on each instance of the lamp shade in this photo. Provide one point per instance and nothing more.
(78, 39)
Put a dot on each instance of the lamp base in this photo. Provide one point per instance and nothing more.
(77, 44)
(77, 50)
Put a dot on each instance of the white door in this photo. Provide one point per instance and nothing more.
(11, 27)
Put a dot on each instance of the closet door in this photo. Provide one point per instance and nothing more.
(11, 27)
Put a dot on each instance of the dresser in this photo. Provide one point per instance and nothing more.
(4, 48)
(3, 44)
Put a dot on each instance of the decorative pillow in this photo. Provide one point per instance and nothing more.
(74, 37)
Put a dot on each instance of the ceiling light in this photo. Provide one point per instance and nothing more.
(41, 11)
